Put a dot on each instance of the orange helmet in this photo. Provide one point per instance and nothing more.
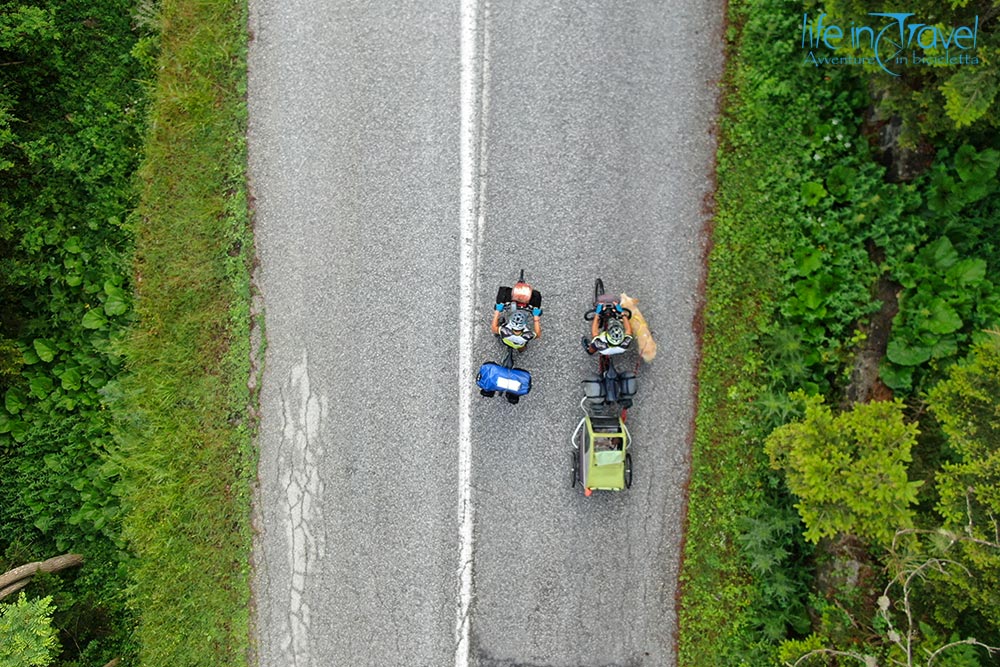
(521, 293)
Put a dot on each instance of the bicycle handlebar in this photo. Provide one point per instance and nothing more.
(589, 315)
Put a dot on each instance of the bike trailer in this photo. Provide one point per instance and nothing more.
(601, 457)
(494, 377)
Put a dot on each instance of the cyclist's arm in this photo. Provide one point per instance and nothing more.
(538, 327)
(595, 326)
(495, 326)
(628, 324)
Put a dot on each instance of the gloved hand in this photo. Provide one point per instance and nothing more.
(536, 311)
(598, 308)
(618, 307)
(499, 307)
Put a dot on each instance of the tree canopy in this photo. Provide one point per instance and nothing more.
(849, 471)
(931, 96)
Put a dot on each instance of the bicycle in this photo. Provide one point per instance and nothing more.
(609, 386)
(519, 301)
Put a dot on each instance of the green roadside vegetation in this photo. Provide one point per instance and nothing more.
(826, 523)
(187, 444)
(72, 112)
(125, 256)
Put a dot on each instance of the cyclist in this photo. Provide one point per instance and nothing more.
(616, 335)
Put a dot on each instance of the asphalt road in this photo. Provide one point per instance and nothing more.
(592, 157)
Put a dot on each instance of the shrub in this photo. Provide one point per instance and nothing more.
(967, 405)
(848, 470)
(27, 638)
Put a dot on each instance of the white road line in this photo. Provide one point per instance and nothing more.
(472, 190)
(484, 117)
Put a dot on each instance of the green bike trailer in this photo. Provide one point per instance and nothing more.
(601, 460)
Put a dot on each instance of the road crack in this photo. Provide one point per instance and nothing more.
(303, 413)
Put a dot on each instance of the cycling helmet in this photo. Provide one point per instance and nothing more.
(616, 332)
(518, 320)
(521, 293)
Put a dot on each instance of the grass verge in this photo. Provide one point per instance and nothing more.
(717, 619)
(187, 438)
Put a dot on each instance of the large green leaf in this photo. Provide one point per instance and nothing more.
(808, 260)
(942, 319)
(946, 346)
(72, 245)
(44, 349)
(940, 254)
(808, 293)
(897, 378)
(41, 386)
(94, 319)
(976, 166)
(115, 303)
(29, 356)
(14, 400)
(19, 430)
(973, 191)
(941, 197)
(899, 352)
(967, 272)
(70, 379)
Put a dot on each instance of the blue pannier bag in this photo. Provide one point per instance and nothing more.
(494, 377)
